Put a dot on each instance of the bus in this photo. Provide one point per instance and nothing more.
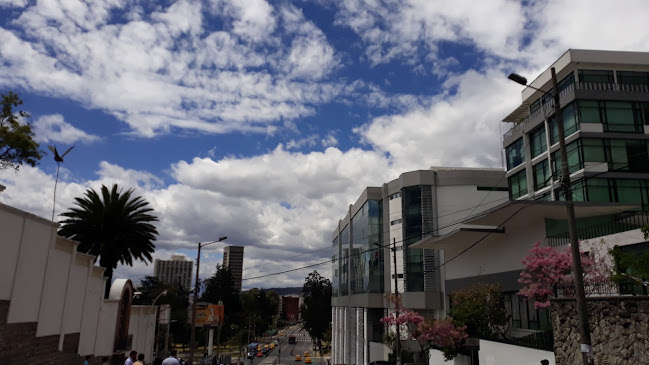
(252, 350)
(291, 339)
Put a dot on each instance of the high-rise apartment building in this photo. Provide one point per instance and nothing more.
(401, 212)
(233, 259)
(177, 270)
(605, 107)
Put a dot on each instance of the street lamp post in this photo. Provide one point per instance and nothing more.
(155, 336)
(192, 341)
(580, 296)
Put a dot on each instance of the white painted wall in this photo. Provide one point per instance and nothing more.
(496, 353)
(93, 298)
(11, 226)
(497, 255)
(38, 236)
(76, 292)
(106, 329)
(378, 352)
(53, 300)
(456, 203)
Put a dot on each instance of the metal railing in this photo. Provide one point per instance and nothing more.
(621, 223)
(607, 288)
(547, 108)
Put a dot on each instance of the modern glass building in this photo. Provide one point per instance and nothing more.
(400, 212)
(605, 107)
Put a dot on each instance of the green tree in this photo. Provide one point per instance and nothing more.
(481, 308)
(220, 287)
(115, 226)
(17, 145)
(316, 308)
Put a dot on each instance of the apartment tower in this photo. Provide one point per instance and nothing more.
(233, 259)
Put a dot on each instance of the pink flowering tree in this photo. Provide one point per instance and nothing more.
(548, 270)
(440, 334)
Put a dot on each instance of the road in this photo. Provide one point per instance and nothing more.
(285, 353)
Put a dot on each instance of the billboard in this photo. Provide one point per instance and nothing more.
(209, 314)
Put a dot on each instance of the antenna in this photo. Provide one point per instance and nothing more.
(59, 159)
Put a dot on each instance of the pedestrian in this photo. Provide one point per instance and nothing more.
(88, 357)
(104, 361)
(132, 357)
(140, 359)
(172, 359)
(545, 362)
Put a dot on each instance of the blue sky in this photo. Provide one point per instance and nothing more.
(262, 120)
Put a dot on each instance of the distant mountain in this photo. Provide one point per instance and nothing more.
(284, 291)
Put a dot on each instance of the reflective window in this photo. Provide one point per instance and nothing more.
(627, 155)
(575, 159)
(589, 111)
(632, 77)
(600, 76)
(367, 258)
(570, 123)
(541, 174)
(538, 141)
(515, 154)
(344, 260)
(412, 231)
(335, 269)
(517, 185)
(620, 117)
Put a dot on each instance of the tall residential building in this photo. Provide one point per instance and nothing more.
(177, 270)
(233, 259)
(605, 107)
(401, 212)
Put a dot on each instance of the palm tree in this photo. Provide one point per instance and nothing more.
(114, 226)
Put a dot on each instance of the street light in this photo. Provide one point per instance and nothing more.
(580, 296)
(192, 345)
(155, 333)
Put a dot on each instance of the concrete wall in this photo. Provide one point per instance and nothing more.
(142, 327)
(59, 261)
(496, 353)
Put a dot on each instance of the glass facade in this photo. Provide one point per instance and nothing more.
(517, 185)
(335, 269)
(412, 232)
(633, 191)
(541, 175)
(515, 154)
(570, 123)
(367, 263)
(632, 77)
(538, 141)
(344, 260)
(597, 76)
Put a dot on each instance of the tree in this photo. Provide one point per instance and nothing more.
(17, 145)
(481, 308)
(316, 308)
(220, 287)
(115, 226)
(547, 270)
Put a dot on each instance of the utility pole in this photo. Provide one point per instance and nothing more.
(580, 296)
(192, 339)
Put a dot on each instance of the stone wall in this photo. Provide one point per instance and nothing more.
(619, 330)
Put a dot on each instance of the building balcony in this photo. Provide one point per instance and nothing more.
(525, 122)
(623, 222)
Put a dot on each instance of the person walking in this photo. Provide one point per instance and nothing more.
(140, 359)
(130, 360)
(173, 359)
(88, 357)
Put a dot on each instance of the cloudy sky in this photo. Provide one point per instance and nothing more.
(263, 120)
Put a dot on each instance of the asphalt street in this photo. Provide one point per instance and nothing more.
(285, 353)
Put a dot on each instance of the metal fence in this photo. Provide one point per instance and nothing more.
(622, 223)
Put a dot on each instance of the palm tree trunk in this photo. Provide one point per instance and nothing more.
(109, 274)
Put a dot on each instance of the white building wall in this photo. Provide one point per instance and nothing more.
(142, 327)
(93, 298)
(495, 353)
(456, 203)
(11, 226)
(106, 329)
(76, 292)
(37, 238)
(53, 299)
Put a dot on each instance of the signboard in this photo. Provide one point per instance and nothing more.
(472, 343)
(209, 314)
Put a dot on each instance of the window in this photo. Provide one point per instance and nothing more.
(631, 77)
(575, 158)
(602, 76)
(570, 123)
(541, 174)
(535, 106)
(515, 154)
(589, 111)
(395, 196)
(517, 185)
(627, 155)
(538, 141)
(620, 117)
(593, 150)
(396, 221)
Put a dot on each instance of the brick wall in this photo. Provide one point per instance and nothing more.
(20, 346)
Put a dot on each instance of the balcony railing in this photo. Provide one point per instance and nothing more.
(622, 223)
(548, 108)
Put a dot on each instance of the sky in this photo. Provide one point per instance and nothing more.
(263, 120)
